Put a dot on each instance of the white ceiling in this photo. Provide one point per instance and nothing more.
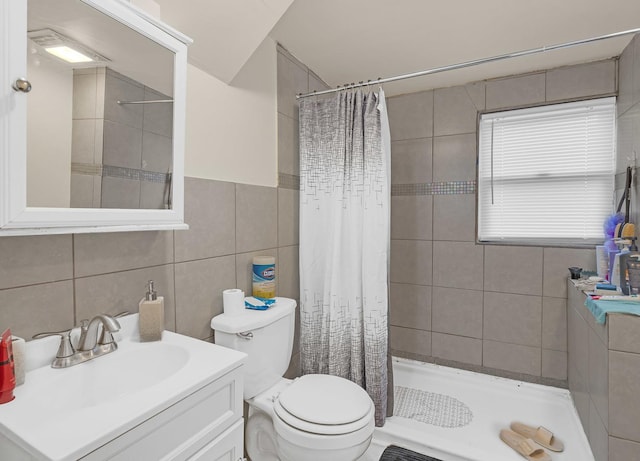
(347, 41)
(225, 33)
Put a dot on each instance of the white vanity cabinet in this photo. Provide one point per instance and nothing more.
(175, 399)
(206, 425)
(96, 143)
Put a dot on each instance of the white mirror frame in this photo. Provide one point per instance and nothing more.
(16, 218)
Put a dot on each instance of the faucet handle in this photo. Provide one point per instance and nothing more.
(65, 349)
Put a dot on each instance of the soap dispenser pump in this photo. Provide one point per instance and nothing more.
(151, 315)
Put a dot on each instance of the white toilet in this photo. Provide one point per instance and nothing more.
(312, 418)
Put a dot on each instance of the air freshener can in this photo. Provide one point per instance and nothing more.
(264, 276)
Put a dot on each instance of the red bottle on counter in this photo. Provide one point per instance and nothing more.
(7, 371)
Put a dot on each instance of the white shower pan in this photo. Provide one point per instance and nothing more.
(493, 402)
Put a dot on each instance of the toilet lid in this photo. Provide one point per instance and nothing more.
(325, 399)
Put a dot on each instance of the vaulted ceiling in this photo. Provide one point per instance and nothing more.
(347, 41)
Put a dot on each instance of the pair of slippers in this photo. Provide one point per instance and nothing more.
(527, 441)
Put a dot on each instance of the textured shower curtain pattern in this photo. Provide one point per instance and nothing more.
(344, 237)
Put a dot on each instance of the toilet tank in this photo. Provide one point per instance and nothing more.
(267, 339)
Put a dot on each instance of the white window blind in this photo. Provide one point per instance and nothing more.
(546, 174)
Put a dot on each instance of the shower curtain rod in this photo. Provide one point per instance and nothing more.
(470, 63)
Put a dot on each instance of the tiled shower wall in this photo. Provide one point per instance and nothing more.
(492, 308)
(497, 309)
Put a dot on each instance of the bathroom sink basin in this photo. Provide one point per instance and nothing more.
(66, 413)
(100, 380)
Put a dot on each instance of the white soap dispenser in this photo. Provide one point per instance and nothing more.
(151, 310)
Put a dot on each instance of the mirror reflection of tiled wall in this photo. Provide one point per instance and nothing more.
(122, 153)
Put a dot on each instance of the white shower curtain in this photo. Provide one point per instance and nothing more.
(344, 240)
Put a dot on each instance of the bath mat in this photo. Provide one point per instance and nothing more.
(430, 408)
(393, 453)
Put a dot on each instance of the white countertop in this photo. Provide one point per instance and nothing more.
(63, 414)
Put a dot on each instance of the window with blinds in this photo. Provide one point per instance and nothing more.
(546, 174)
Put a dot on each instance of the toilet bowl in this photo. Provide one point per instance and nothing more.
(312, 418)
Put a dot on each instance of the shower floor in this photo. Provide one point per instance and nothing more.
(493, 403)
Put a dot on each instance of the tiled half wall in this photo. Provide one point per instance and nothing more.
(50, 283)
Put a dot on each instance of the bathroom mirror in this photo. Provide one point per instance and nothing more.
(101, 138)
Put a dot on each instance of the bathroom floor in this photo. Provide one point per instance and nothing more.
(473, 408)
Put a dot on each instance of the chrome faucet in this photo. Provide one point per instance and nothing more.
(89, 332)
(89, 347)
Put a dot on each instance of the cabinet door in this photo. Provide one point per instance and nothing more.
(227, 447)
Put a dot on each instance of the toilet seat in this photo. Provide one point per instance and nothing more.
(324, 404)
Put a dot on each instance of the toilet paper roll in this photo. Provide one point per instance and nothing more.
(233, 301)
(18, 345)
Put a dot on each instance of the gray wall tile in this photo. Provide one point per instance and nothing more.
(37, 308)
(411, 115)
(120, 89)
(578, 341)
(456, 348)
(81, 187)
(84, 96)
(199, 286)
(457, 265)
(513, 318)
(122, 291)
(153, 195)
(411, 217)
(122, 145)
(623, 332)
(288, 272)
(623, 450)
(292, 79)
(624, 388)
(411, 161)
(454, 157)
(210, 211)
(454, 217)
(625, 80)
(598, 377)
(556, 262)
(410, 340)
(288, 216)
(411, 262)
(511, 357)
(504, 265)
(256, 218)
(157, 118)
(554, 324)
(457, 311)
(635, 43)
(594, 78)
(120, 193)
(111, 252)
(580, 395)
(157, 152)
(554, 364)
(288, 145)
(516, 91)
(598, 437)
(35, 259)
(410, 306)
(83, 140)
(454, 111)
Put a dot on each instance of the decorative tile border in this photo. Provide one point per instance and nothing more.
(289, 181)
(435, 188)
